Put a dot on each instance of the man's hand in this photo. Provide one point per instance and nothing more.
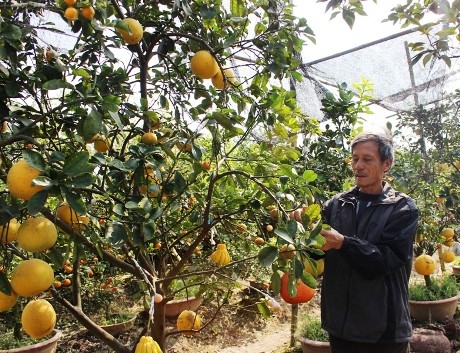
(334, 240)
(297, 214)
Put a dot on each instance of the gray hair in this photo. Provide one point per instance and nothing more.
(384, 141)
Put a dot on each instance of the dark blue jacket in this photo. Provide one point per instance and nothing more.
(365, 285)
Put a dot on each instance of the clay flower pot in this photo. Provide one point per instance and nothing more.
(48, 346)
(119, 327)
(309, 346)
(174, 307)
(435, 310)
(456, 270)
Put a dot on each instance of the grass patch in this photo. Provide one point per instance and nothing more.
(310, 328)
(441, 288)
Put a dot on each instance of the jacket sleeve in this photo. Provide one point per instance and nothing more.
(394, 248)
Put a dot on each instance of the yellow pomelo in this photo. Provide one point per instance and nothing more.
(38, 318)
(7, 301)
(8, 232)
(136, 31)
(204, 65)
(188, 320)
(31, 277)
(101, 144)
(448, 256)
(424, 265)
(319, 267)
(37, 234)
(69, 216)
(19, 180)
(447, 233)
(219, 82)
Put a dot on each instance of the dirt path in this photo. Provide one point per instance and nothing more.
(263, 342)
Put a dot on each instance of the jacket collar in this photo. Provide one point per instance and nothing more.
(388, 195)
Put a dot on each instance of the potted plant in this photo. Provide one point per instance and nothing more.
(434, 300)
(46, 345)
(312, 337)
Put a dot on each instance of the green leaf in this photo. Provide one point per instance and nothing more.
(275, 282)
(284, 234)
(92, 124)
(11, 32)
(267, 255)
(37, 202)
(34, 159)
(82, 180)
(117, 234)
(309, 280)
(237, 8)
(309, 176)
(78, 164)
(180, 184)
(82, 73)
(264, 310)
(292, 227)
(5, 286)
(57, 84)
(75, 203)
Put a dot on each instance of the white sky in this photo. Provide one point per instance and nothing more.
(334, 36)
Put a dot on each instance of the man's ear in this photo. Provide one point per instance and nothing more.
(388, 164)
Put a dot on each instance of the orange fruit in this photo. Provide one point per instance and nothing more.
(149, 138)
(70, 2)
(66, 282)
(57, 284)
(206, 165)
(448, 233)
(20, 178)
(269, 228)
(71, 13)
(38, 318)
(37, 234)
(70, 217)
(424, 265)
(219, 82)
(31, 277)
(448, 256)
(101, 144)
(287, 251)
(304, 293)
(204, 65)
(88, 12)
(136, 31)
(259, 241)
(7, 301)
(188, 320)
(8, 232)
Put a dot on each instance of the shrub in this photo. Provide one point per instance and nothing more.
(441, 288)
(310, 328)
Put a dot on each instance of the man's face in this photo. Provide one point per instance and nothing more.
(368, 168)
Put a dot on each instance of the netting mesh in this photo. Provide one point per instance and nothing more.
(399, 86)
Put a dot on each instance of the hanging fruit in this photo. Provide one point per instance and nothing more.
(221, 256)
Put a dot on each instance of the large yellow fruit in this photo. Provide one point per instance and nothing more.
(204, 65)
(147, 345)
(319, 267)
(219, 82)
(136, 29)
(101, 144)
(19, 180)
(448, 256)
(149, 138)
(188, 320)
(37, 234)
(424, 265)
(38, 318)
(448, 233)
(69, 216)
(7, 301)
(8, 232)
(31, 277)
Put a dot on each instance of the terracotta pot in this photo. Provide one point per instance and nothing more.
(115, 329)
(435, 310)
(48, 346)
(456, 270)
(174, 307)
(309, 346)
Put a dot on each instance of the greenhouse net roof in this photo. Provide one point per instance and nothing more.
(398, 86)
